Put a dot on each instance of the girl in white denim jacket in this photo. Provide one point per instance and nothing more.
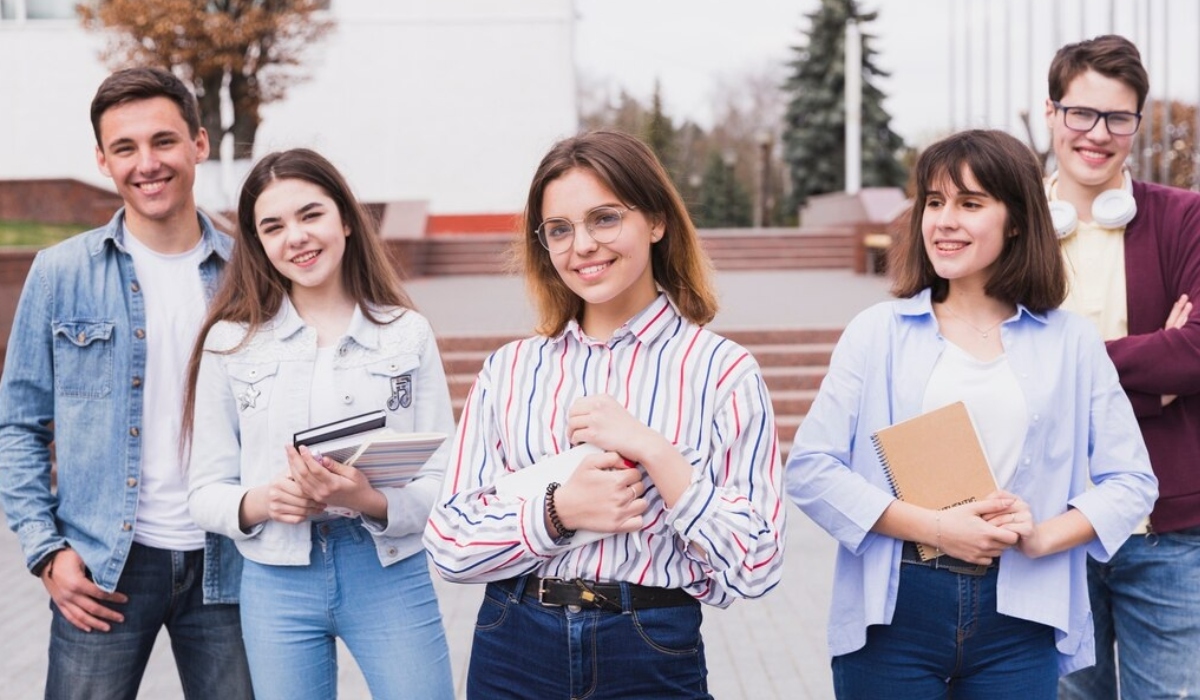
(312, 326)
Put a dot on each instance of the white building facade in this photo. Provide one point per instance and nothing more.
(449, 101)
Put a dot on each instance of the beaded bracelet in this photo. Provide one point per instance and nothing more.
(563, 533)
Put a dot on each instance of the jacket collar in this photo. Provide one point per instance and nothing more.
(214, 242)
(287, 322)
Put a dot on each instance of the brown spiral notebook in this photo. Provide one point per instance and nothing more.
(935, 460)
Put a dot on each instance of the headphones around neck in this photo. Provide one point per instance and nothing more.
(1110, 208)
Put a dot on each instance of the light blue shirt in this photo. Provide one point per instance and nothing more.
(77, 358)
(252, 399)
(1081, 430)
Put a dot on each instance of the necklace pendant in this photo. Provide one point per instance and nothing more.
(983, 335)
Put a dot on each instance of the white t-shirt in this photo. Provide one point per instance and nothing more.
(173, 295)
(994, 400)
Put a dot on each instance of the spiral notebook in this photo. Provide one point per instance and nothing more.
(935, 460)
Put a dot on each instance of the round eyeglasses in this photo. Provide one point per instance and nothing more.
(1085, 119)
(603, 224)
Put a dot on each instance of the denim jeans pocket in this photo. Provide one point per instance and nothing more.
(671, 630)
(493, 609)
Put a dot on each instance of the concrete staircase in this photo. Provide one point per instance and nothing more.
(731, 249)
(793, 362)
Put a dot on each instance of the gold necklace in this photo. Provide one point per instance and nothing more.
(983, 332)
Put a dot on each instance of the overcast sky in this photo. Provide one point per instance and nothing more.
(935, 50)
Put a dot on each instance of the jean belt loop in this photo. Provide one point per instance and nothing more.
(519, 587)
(626, 599)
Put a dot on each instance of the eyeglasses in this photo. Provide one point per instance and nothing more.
(1085, 119)
(603, 224)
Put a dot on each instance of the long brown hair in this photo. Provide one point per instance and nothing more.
(252, 291)
(631, 170)
(1030, 269)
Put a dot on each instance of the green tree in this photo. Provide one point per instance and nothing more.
(659, 132)
(249, 46)
(723, 201)
(814, 132)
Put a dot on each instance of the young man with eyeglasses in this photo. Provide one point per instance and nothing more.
(1133, 259)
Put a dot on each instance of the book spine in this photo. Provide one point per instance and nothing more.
(887, 467)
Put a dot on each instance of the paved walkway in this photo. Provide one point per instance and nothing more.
(773, 647)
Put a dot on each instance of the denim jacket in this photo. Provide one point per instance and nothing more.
(73, 374)
(251, 398)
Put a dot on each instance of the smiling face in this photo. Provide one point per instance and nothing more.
(1090, 162)
(964, 231)
(615, 280)
(302, 233)
(146, 149)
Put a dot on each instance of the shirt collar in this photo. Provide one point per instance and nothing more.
(645, 326)
(921, 304)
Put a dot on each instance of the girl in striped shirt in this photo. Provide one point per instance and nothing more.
(595, 578)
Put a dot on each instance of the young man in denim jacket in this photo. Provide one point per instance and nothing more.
(95, 364)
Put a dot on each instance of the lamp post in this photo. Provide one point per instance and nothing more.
(763, 203)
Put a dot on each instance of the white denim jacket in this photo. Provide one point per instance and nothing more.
(251, 401)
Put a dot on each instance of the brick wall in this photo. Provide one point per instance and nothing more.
(61, 201)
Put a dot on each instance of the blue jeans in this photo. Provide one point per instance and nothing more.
(523, 649)
(164, 588)
(947, 640)
(387, 616)
(1146, 602)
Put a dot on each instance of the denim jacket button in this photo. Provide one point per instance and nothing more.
(139, 333)
(131, 482)
(126, 526)
(134, 431)
(81, 337)
(137, 381)
(135, 288)
(391, 551)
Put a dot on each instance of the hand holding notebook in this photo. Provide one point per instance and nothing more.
(936, 461)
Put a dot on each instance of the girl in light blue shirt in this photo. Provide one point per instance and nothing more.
(1004, 610)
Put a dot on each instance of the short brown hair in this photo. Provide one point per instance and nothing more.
(1110, 55)
(631, 170)
(134, 84)
(1030, 268)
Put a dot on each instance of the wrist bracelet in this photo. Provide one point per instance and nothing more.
(563, 533)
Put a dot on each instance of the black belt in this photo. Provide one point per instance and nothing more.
(910, 555)
(555, 592)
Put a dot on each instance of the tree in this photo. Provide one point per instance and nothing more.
(814, 132)
(659, 132)
(249, 47)
(723, 201)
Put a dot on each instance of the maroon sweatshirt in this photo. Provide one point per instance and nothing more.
(1162, 261)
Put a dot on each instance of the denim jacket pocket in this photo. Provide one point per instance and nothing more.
(395, 376)
(251, 384)
(83, 358)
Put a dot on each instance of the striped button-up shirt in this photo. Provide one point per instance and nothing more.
(722, 540)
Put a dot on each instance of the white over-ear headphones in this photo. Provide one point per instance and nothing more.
(1110, 208)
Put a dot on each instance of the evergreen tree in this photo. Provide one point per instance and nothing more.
(723, 201)
(659, 132)
(814, 137)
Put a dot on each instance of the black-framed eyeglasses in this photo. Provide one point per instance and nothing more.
(1085, 119)
(603, 224)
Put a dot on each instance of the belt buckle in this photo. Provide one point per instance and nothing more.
(541, 592)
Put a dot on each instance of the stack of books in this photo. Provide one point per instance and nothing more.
(385, 456)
